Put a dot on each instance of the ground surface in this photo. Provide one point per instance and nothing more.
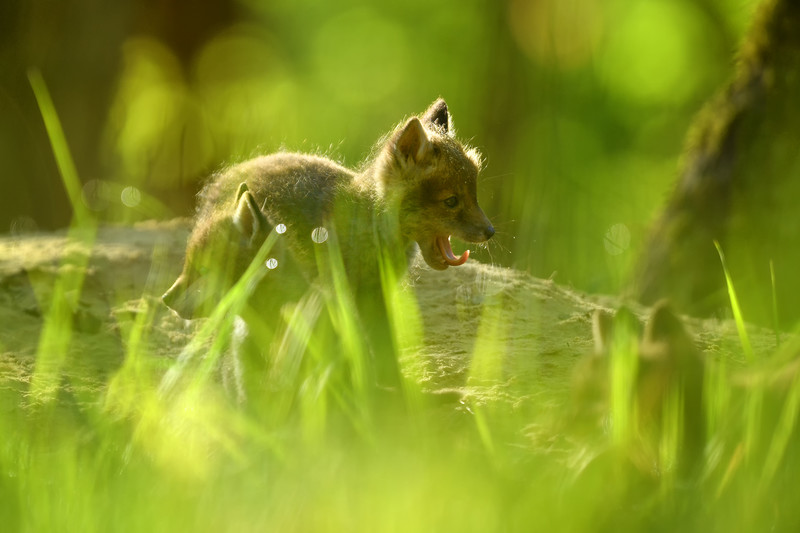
(86, 348)
(532, 330)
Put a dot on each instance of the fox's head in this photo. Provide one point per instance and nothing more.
(218, 253)
(432, 179)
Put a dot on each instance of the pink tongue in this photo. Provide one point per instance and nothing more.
(447, 252)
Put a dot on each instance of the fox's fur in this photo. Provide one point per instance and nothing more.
(418, 190)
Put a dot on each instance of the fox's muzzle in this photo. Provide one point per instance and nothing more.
(478, 229)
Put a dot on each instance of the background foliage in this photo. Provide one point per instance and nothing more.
(579, 106)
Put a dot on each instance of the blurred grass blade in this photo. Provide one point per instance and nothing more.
(754, 407)
(484, 432)
(343, 312)
(775, 317)
(64, 303)
(486, 366)
(717, 395)
(218, 325)
(782, 434)
(624, 369)
(66, 166)
(405, 322)
(672, 437)
(737, 312)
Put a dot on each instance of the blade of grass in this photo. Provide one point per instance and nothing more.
(624, 368)
(717, 395)
(754, 405)
(783, 432)
(58, 142)
(775, 322)
(57, 330)
(405, 321)
(221, 320)
(342, 308)
(486, 366)
(744, 339)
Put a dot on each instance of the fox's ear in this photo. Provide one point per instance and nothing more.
(438, 115)
(411, 144)
(248, 218)
(242, 189)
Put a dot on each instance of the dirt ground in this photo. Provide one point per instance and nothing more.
(491, 334)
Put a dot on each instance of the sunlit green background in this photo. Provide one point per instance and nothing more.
(580, 107)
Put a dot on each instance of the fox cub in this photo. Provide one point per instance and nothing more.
(418, 190)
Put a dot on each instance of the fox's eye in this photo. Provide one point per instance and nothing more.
(451, 202)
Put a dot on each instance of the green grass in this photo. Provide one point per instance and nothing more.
(332, 454)
(737, 310)
(333, 457)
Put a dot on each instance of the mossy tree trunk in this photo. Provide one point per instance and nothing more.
(740, 186)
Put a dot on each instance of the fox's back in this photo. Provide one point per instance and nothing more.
(290, 186)
(295, 190)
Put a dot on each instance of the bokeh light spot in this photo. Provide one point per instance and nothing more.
(95, 195)
(131, 196)
(618, 239)
(22, 225)
(319, 235)
(652, 53)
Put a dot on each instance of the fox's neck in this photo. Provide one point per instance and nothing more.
(382, 205)
(372, 180)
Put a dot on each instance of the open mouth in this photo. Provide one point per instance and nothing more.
(443, 243)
